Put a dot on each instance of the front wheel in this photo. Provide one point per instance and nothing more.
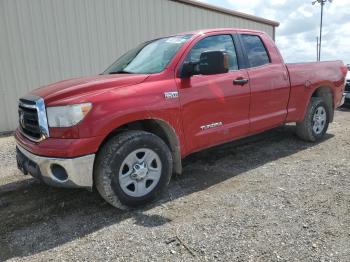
(132, 169)
(316, 121)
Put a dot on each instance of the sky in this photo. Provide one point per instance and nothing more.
(299, 25)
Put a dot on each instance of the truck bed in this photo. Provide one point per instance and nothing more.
(305, 76)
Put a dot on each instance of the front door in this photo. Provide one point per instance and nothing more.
(214, 108)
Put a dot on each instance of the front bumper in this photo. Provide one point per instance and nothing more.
(59, 147)
(61, 172)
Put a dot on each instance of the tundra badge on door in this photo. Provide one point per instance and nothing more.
(212, 125)
(170, 95)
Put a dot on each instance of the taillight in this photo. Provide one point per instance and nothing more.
(344, 70)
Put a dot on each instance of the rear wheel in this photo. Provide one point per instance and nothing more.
(132, 169)
(316, 121)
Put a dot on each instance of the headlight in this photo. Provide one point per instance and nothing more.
(66, 116)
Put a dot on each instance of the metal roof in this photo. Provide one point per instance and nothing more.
(229, 12)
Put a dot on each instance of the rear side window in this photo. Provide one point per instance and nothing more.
(256, 51)
(215, 43)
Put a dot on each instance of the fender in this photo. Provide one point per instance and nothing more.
(301, 96)
(315, 92)
(160, 127)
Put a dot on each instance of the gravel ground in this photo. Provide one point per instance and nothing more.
(271, 197)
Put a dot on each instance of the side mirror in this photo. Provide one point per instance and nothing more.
(188, 70)
(210, 63)
(213, 62)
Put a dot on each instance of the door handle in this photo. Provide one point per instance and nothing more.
(240, 81)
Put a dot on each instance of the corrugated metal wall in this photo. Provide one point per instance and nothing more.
(43, 41)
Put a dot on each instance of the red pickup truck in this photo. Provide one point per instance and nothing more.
(126, 130)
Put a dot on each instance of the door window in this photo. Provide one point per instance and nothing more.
(256, 51)
(215, 43)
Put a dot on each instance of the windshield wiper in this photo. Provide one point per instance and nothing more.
(120, 72)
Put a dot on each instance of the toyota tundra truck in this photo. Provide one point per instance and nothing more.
(125, 132)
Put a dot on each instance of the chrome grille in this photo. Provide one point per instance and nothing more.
(32, 118)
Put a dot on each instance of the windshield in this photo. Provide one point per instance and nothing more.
(148, 58)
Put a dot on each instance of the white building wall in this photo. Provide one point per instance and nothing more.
(43, 41)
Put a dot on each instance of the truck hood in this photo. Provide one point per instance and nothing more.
(76, 87)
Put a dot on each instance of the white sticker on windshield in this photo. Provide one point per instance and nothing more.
(175, 40)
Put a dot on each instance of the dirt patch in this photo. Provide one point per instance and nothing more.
(270, 197)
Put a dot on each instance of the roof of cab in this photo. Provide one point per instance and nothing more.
(213, 30)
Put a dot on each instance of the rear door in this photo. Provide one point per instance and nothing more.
(269, 84)
(214, 108)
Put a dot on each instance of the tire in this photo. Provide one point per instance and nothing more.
(317, 115)
(132, 169)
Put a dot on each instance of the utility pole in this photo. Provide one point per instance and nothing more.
(317, 46)
(322, 2)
